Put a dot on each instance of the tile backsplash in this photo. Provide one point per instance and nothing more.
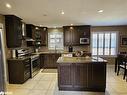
(75, 48)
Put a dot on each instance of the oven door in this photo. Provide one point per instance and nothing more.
(35, 66)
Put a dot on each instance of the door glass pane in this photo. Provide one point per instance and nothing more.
(94, 44)
(113, 43)
(100, 44)
(107, 44)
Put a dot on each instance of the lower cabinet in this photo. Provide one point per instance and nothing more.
(19, 71)
(97, 80)
(65, 76)
(49, 60)
(82, 76)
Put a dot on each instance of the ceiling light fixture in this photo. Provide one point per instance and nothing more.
(40, 25)
(36, 28)
(8, 5)
(62, 12)
(100, 11)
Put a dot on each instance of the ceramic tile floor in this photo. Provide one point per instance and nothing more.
(45, 83)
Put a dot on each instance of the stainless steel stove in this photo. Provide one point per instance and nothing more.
(35, 64)
(34, 60)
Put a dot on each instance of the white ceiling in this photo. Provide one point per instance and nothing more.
(78, 12)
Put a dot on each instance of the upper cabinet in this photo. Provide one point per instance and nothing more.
(30, 29)
(44, 35)
(75, 35)
(13, 31)
(38, 34)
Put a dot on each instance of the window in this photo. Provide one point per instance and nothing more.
(55, 40)
(104, 43)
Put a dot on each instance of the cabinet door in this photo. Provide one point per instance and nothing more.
(97, 78)
(18, 32)
(41, 61)
(13, 31)
(44, 36)
(80, 76)
(84, 31)
(65, 76)
(49, 61)
(67, 36)
(75, 36)
(46, 60)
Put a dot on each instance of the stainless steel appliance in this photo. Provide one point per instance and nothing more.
(84, 41)
(35, 65)
(2, 73)
(34, 60)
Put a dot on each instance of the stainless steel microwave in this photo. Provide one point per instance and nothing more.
(84, 40)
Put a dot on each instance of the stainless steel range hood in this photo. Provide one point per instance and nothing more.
(24, 37)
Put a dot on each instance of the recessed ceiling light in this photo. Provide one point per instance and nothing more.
(100, 11)
(8, 5)
(62, 12)
(36, 28)
(40, 25)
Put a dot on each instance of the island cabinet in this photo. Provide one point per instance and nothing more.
(82, 76)
(65, 77)
(97, 80)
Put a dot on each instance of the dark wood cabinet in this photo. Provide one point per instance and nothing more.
(75, 36)
(19, 71)
(13, 31)
(41, 61)
(44, 35)
(49, 60)
(39, 34)
(72, 34)
(30, 30)
(67, 36)
(65, 80)
(37, 37)
(82, 76)
(97, 80)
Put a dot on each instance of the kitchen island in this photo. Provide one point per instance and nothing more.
(82, 73)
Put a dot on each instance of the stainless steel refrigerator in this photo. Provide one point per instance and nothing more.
(2, 80)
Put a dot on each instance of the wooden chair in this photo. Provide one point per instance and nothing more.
(122, 64)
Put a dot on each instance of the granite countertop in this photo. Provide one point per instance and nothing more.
(52, 52)
(19, 58)
(80, 60)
